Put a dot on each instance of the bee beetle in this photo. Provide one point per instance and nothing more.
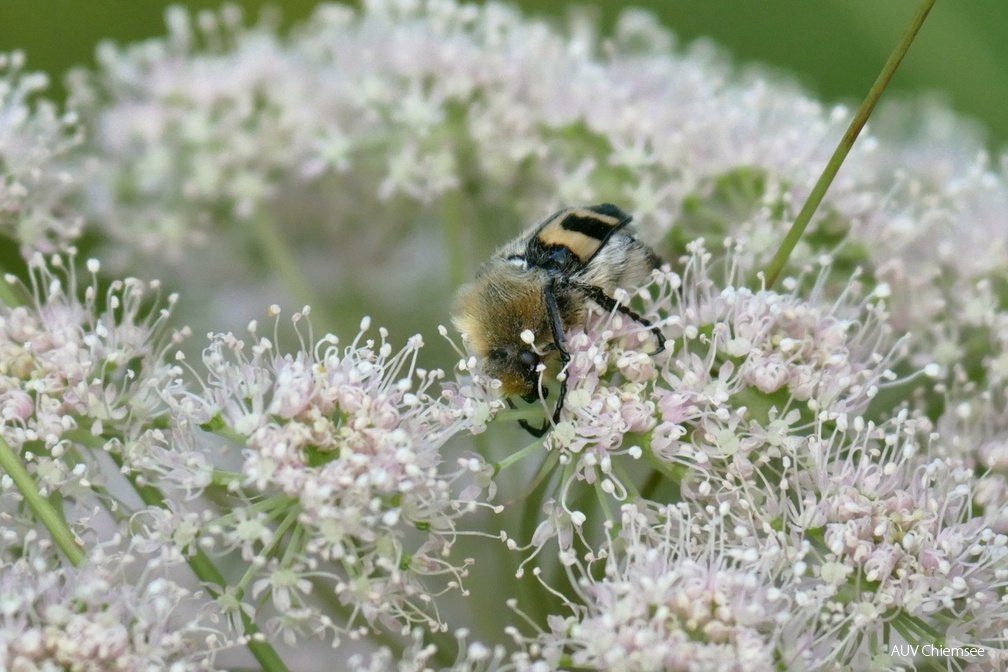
(534, 288)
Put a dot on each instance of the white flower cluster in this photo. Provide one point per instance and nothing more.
(742, 372)
(80, 371)
(762, 421)
(96, 618)
(217, 118)
(345, 443)
(777, 361)
(675, 595)
(808, 475)
(37, 178)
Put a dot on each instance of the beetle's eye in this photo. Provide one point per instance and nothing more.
(528, 359)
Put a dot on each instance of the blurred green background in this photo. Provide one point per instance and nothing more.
(834, 48)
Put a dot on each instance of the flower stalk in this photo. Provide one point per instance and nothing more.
(276, 249)
(60, 532)
(208, 574)
(815, 197)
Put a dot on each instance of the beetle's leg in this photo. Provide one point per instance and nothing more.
(608, 303)
(556, 327)
(537, 432)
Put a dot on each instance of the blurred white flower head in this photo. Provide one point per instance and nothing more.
(809, 475)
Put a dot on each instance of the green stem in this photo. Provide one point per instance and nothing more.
(223, 479)
(282, 261)
(529, 519)
(294, 544)
(545, 470)
(61, 533)
(661, 466)
(509, 414)
(913, 626)
(532, 509)
(217, 426)
(204, 569)
(272, 506)
(453, 223)
(603, 500)
(517, 456)
(857, 123)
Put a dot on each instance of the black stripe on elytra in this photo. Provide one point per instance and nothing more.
(593, 227)
(610, 210)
